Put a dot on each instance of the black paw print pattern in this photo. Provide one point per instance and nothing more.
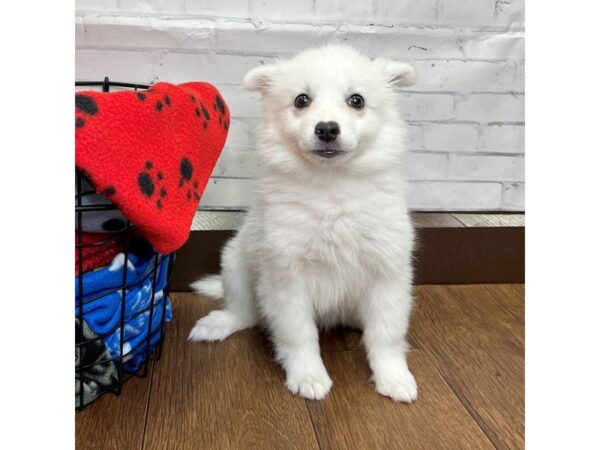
(219, 107)
(86, 106)
(160, 104)
(201, 111)
(150, 184)
(108, 191)
(165, 102)
(186, 171)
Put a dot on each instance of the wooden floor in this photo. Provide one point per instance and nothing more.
(467, 357)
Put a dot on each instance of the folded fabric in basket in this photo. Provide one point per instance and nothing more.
(152, 152)
(102, 304)
(99, 215)
(97, 250)
(135, 335)
(95, 372)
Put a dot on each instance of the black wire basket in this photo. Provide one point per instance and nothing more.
(122, 307)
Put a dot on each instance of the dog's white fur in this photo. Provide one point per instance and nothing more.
(329, 240)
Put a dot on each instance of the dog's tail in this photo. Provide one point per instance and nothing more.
(210, 286)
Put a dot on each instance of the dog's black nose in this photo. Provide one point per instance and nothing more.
(327, 131)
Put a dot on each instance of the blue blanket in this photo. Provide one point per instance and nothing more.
(102, 304)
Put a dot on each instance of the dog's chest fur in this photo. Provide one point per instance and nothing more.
(351, 229)
(338, 237)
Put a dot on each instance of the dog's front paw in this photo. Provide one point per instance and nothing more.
(309, 380)
(399, 385)
(216, 326)
(313, 385)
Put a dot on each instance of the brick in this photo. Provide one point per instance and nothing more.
(343, 11)
(510, 12)
(457, 196)
(144, 32)
(491, 108)
(450, 137)
(100, 6)
(513, 197)
(130, 66)
(221, 8)
(228, 193)
(416, 106)
(492, 13)
(404, 43)
(241, 102)
(140, 7)
(439, 75)
(241, 132)
(501, 168)
(190, 32)
(236, 162)
(424, 165)
(502, 138)
(217, 69)
(201, 33)
(280, 39)
(281, 9)
(415, 137)
(271, 40)
(489, 45)
(413, 12)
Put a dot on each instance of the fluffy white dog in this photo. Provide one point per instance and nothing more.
(329, 239)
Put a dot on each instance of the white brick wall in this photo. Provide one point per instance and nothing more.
(466, 112)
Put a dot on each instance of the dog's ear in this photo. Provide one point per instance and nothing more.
(259, 78)
(398, 74)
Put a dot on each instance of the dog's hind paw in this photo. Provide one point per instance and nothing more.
(216, 326)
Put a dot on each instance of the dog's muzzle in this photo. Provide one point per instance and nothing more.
(328, 152)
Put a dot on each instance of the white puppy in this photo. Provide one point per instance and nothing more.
(329, 239)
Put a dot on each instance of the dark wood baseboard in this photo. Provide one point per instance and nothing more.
(470, 255)
(201, 255)
(453, 248)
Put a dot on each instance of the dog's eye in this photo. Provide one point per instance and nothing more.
(356, 101)
(302, 101)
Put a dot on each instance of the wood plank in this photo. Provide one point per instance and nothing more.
(512, 297)
(229, 220)
(352, 339)
(435, 220)
(226, 395)
(479, 350)
(333, 340)
(207, 220)
(354, 416)
(490, 220)
(217, 220)
(344, 338)
(115, 422)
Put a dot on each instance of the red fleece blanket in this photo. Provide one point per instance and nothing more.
(97, 251)
(152, 152)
